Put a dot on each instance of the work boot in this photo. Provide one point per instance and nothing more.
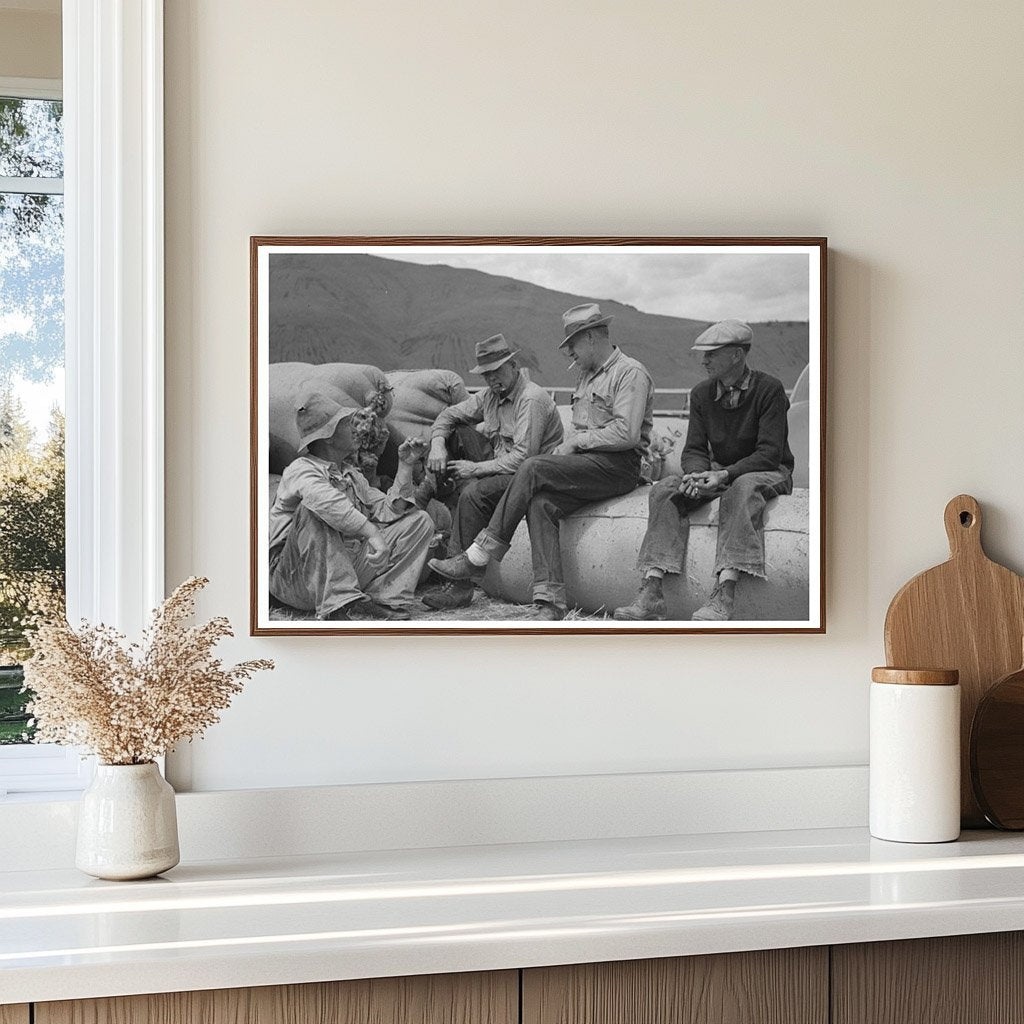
(458, 567)
(361, 610)
(548, 612)
(451, 594)
(386, 611)
(365, 610)
(720, 604)
(649, 603)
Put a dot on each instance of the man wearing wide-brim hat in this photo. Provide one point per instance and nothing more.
(737, 449)
(339, 547)
(612, 409)
(519, 419)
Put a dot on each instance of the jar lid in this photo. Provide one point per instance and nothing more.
(916, 676)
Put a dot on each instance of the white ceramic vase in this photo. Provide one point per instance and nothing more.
(127, 825)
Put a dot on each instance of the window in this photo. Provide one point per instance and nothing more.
(113, 331)
(32, 533)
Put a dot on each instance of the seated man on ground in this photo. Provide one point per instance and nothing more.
(519, 419)
(612, 415)
(737, 448)
(338, 545)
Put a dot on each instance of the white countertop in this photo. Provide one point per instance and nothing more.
(224, 924)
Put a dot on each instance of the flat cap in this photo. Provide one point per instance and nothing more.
(725, 332)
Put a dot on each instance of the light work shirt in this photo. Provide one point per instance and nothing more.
(340, 496)
(525, 422)
(613, 408)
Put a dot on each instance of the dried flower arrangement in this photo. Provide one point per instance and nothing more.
(129, 704)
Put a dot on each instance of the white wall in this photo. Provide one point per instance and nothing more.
(894, 129)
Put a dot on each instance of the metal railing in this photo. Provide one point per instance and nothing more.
(564, 393)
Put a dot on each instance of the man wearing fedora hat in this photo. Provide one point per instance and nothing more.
(737, 449)
(519, 419)
(611, 426)
(338, 545)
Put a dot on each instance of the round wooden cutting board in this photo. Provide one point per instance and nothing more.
(997, 752)
(968, 614)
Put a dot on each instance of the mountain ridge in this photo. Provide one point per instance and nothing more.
(354, 307)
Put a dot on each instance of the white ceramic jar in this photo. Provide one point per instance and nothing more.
(915, 755)
(127, 823)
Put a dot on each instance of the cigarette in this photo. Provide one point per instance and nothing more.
(571, 365)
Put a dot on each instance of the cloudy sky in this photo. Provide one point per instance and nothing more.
(699, 286)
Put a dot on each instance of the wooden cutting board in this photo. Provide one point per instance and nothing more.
(997, 752)
(967, 614)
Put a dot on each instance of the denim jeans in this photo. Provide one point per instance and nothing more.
(478, 498)
(545, 489)
(740, 523)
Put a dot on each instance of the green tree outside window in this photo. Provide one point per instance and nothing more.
(32, 542)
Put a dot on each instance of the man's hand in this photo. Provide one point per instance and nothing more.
(437, 460)
(410, 451)
(462, 469)
(377, 551)
(714, 480)
(688, 485)
(703, 484)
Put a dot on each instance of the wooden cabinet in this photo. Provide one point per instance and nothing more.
(961, 979)
(777, 986)
(481, 998)
(967, 979)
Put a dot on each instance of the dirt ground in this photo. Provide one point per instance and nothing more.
(483, 609)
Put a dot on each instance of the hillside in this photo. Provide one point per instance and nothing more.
(368, 309)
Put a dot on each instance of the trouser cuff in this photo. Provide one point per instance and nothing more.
(668, 568)
(496, 548)
(553, 593)
(749, 570)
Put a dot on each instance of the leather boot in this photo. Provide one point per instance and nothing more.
(458, 567)
(649, 603)
(548, 612)
(451, 594)
(719, 606)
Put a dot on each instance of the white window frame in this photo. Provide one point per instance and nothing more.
(37, 767)
(114, 327)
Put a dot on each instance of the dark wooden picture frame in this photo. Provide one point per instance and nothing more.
(401, 303)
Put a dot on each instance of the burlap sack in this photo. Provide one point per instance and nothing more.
(364, 386)
(419, 397)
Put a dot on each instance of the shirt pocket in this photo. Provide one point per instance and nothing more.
(601, 409)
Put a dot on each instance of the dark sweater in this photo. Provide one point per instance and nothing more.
(751, 438)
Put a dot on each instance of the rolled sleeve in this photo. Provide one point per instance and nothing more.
(469, 411)
(390, 507)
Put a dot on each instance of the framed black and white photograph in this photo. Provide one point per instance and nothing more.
(524, 435)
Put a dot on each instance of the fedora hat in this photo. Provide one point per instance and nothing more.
(726, 332)
(320, 409)
(492, 353)
(582, 318)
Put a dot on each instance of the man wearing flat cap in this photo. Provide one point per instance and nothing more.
(519, 419)
(737, 449)
(337, 545)
(611, 427)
